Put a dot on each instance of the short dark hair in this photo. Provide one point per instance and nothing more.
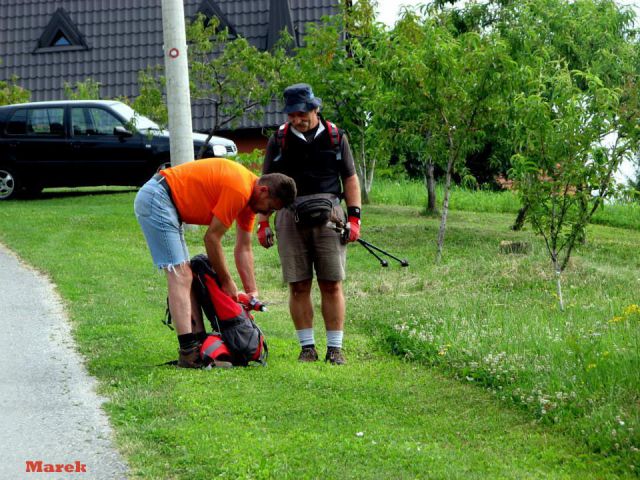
(280, 186)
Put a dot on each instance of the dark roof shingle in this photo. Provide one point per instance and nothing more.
(122, 37)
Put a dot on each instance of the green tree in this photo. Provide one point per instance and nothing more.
(151, 102)
(592, 36)
(565, 165)
(338, 58)
(89, 89)
(443, 92)
(11, 92)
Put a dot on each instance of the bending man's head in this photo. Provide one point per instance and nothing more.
(272, 191)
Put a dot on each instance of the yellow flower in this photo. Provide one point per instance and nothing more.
(591, 366)
(631, 310)
(443, 349)
(617, 319)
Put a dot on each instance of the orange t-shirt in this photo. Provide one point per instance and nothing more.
(212, 187)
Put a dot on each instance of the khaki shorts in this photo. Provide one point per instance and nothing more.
(302, 249)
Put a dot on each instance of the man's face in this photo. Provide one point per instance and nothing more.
(263, 203)
(304, 121)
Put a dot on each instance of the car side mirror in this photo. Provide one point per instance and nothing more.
(219, 150)
(122, 132)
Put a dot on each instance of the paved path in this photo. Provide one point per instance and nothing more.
(49, 410)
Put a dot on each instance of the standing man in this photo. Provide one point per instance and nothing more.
(214, 192)
(317, 156)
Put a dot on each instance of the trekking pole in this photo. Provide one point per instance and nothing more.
(368, 246)
(382, 261)
(339, 227)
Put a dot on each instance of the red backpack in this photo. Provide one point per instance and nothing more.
(236, 336)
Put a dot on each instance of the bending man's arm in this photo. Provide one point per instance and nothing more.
(244, 261)
(213, 246)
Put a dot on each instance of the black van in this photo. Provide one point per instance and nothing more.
(83, 143)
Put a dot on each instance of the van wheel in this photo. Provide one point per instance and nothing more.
(9, 184)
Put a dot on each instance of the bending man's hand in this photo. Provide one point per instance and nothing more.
(265, 235)
(229, 287)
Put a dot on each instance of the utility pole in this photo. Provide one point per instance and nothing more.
(177, 74)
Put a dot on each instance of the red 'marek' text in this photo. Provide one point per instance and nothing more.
(38, 466)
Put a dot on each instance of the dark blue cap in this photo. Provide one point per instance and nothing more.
(300, 98)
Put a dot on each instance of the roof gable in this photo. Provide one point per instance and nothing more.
(61, 33)
(210, 9)
(279, 20)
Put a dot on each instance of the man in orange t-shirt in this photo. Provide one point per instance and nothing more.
(214, 192)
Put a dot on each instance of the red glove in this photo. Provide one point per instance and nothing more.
(354, 229)
(265, 235)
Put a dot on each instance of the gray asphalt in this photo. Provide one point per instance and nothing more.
(49, 410)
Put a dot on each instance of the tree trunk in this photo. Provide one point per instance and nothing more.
(365, 172)
(364, 194)
(445, 210)
(558, 271)
(204, 146)
(519, 222)
(430, 184)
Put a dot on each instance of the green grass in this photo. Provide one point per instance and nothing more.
(413, 193)
(481, 319)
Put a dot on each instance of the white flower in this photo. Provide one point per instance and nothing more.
(360, 434)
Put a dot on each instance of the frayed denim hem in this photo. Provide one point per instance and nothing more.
(173, 267)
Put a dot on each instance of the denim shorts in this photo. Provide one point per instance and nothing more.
(161, 225)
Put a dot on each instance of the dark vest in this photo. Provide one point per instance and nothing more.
(313, 166)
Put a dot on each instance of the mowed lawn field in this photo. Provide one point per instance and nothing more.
(465, 369)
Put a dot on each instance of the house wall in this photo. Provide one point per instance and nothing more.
(247, 140)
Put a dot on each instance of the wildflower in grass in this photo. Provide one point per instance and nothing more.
(631, 310)
(442, 351)
(591, 366)
(617, 319)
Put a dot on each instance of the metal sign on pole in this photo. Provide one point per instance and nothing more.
(177, 75)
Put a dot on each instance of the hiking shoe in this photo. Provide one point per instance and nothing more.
(189, 357)
(308, 354)
(334, 356)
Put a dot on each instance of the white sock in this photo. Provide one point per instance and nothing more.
(334, 338)
(305, 337)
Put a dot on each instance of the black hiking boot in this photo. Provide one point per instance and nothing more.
(189, 357)
(308, 354)
(334, 356)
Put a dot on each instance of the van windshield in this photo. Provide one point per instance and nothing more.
(140, 121)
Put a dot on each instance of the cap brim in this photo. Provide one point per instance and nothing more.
(303, 107)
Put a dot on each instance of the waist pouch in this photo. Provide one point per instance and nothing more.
(313, 212)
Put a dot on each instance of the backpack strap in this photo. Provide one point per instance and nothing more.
(281, 136)
(167, 316)
(335, 137)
